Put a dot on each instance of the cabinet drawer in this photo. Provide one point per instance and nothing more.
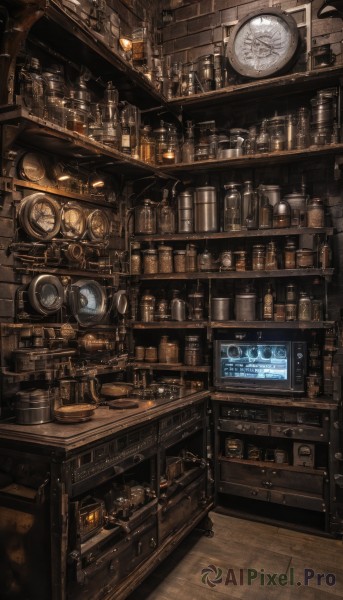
(305, 501)
(271, 478)
(180, 508)
(250, 428)
(300, 432)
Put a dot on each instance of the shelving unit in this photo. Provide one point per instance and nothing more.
(280, 273)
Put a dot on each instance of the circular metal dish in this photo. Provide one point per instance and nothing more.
(74, 413)
(122, 403)
(116, 390)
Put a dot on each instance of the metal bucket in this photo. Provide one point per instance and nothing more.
(205, 213)
(245, 307)
(221, 309)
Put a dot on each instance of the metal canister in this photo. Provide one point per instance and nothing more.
(136, 259)
(192, 355)
(324, 255)
(191, 258)
(279, 312)
(245, 306)
(289, 255)
(150, 354)
(291, 293)
(205, 209)
(185, 212)
(226, 262)
(139, 353)
(220, 309)
(315, 213)
(168, 352)
(178, 309)
(180, 261)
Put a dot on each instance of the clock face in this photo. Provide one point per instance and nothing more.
(46, 294)
(263, 44)
(40, 216)
(98, 225)
(73, 221)
(90, 304)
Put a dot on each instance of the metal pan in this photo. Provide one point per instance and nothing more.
(74, 413)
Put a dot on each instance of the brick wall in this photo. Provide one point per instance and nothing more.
(196, 26)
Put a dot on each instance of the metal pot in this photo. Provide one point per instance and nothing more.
(245, 306)
(33, 407)
(205, 203)
(178, 309)
(273, 193)
(221, 309)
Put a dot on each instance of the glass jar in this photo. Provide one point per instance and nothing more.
(302, 138)
(291, 130)
(279, 312)
(317, 312)
(150, 354)
(192, 355)
(139, 353)
(171, 154)
(291, 293)
(179, 261)
(271, 257)
(241, 260)
(258, 257)
(161, 143)
(263, 138)
(146, 145)
(315, 213)
(147, 307)
(304, 307)
(291, 311)
(150, 262)
(196, 306)
(304, 258)
(165, 218)
(250, 142)
(281, 214)
(265, 213)
(250, 206)
(205, 261)
(191, 258)
(162, 309)
(277, 134)
(168, 351)
(165, 259)
(145, 217)
(32, 87)
(237, 140)
(289, 255)
(232, 208)
(206, 72)
(226, 262)
(136, 259)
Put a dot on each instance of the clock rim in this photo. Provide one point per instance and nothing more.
(253, 73)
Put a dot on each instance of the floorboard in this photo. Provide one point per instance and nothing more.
(240, 544)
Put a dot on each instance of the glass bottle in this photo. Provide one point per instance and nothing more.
(232, 208)
(202, 147)
(32, 87)
(265, 213)
(160, 135)
(263, 138)
(165, 217)
(291, 130)
(302, 138)
(271, 257)
(250, 206)
(145, 217)
(268, 304)
(281, 214)
(110, 116)
(146, 145)
(188, 144)
(171, 154)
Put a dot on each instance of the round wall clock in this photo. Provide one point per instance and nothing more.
(32, 167)
(39, 215)
(263, 43)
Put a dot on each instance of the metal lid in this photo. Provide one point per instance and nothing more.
(150, 252)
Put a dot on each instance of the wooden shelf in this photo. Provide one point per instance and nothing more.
(240, 274)
(169, 325)
(168, 367)
(273, 465)
(251, 90)
(255, 160)
(43, 135)
(284, 401)
(229, 235)
(233, 325)
(67, 34)
(63, 192)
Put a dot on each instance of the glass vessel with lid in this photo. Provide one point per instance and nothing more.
(165, 217)
(250, 206)
(161, 143)
(263, 138)
(145, 217)
(277, 130)
(232, 207)
(146, 145)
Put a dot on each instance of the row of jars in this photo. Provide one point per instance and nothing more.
(301, 307)
(201, 211)
(263, 257)
(168, 351)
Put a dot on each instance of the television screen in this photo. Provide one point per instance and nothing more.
(254, 361)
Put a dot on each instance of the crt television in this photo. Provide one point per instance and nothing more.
(278, 367)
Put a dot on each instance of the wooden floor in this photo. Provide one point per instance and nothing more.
(239, 544)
